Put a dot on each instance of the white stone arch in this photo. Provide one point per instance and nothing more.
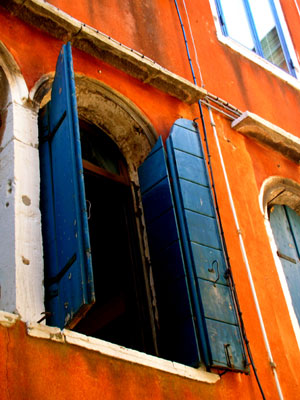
(104, 107)
(14, 93)
(17, 84)
(282, 191)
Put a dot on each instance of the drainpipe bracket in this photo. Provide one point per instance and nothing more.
(273, 365)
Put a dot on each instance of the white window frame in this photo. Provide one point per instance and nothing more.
(250, 55)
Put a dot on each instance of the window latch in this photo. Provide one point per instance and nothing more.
(229, 356)
(57, 278)
(50, 136)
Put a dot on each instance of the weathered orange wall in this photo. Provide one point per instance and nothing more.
(152, 27)
(34, 368)
(48, 370)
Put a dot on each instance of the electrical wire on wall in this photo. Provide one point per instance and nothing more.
(194, 45)
(233, 111)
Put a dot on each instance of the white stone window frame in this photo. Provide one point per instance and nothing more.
(250, 55)
(21, 272)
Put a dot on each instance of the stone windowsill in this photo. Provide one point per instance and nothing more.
(109, 349)
(253, 126)
(64, 27)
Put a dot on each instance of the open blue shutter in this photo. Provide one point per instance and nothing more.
(285, 224)
(69, 288)
(215, 311)
(178, 339)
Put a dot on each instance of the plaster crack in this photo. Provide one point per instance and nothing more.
(34, 146)
(4, 147)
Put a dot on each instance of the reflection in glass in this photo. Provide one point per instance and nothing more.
(237, 23)
(267, 32)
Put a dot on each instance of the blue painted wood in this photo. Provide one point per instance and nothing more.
(196, 197)
(48, 211)
(214, 307)
(209, 263)
(203, 229)
(190, 167)
(285, 224)
(294, 222)
(178, 339)
(221, 335)
(282, 232)
(66, 218)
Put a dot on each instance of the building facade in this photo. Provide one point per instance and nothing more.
(149, 199)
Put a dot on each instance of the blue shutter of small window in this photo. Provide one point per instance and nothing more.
(215, 311)
(178, 339)
(69, 288)
(285, 224)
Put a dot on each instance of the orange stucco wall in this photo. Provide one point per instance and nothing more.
(152, 27)
(34, 368)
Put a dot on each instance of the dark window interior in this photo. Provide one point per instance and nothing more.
(120, 314)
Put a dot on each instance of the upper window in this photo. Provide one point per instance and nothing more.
(256, 25)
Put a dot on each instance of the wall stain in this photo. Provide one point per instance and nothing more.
(25, 260)
(26, 200)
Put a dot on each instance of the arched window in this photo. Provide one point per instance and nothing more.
(93, 174)
(280, 202)
(96, 282)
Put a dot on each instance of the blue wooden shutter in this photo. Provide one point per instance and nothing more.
(178, 338)
(69, 288)
(215, 311)
(285, 224)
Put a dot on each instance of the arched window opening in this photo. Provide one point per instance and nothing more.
(96, 270)
(119, 314)
(118, 310)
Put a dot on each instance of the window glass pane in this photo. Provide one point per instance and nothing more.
(98, 148)
(267, 32)
(237, 23)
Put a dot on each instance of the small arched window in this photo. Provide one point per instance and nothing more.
(285, 223)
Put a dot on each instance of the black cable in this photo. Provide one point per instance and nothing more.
(229, 274)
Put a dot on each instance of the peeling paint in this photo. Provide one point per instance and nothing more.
(7, 319)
